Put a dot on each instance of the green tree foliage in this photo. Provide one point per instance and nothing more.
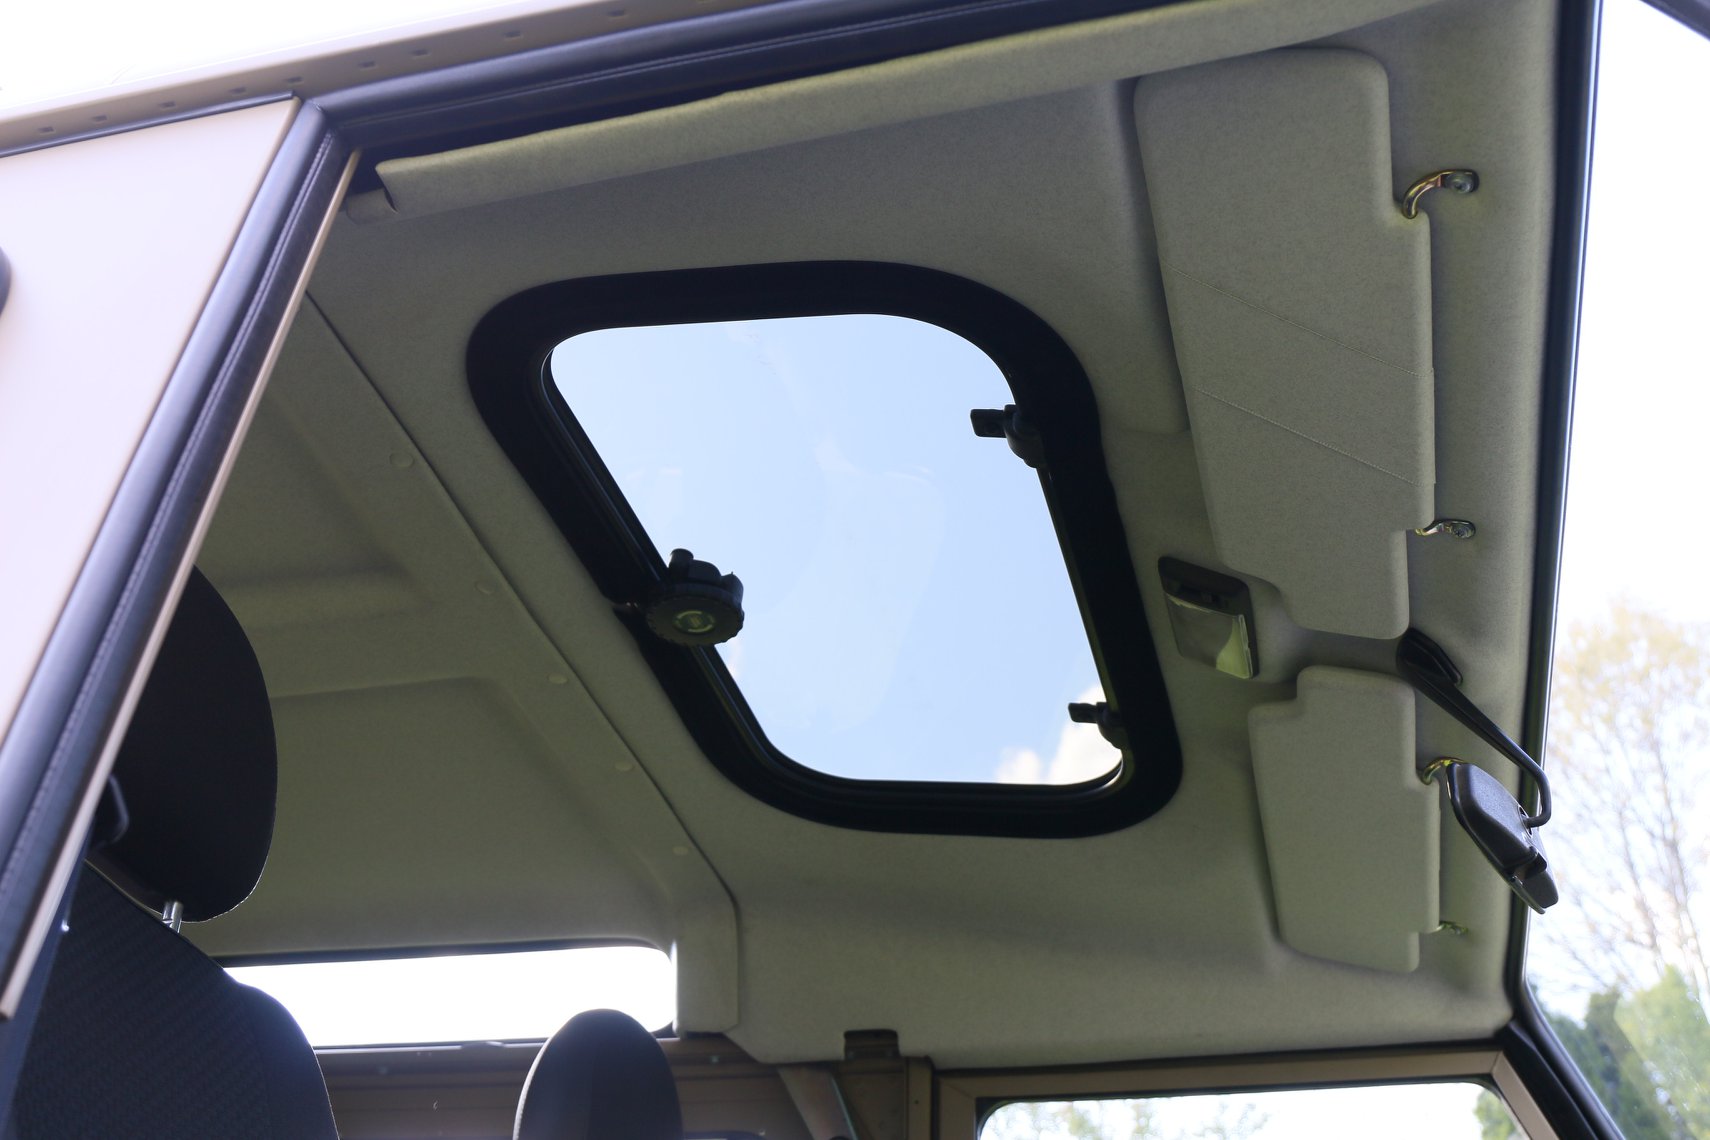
(1494, 1123)
(1668, 1024)
(1615, 1070)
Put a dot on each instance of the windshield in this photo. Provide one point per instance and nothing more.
(1622, 964)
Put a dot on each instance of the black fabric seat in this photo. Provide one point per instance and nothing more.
(139, 1034)
(601, 1077)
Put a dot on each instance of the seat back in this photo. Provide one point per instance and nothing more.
(139, 1034)
(601, 1077)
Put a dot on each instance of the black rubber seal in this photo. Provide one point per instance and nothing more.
(1695, 14)
(507, 360)
(670, 64)
(1551, 1076)
(1576, 87)
(50, 754)
(1528, 1042)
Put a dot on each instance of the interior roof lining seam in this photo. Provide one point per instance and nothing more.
(1314, 440)
(605, 715)
(1237, 298)
(741, 51)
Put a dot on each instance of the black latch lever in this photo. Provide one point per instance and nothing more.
(1011, 424)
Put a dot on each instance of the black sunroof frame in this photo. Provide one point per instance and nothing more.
(508, 368)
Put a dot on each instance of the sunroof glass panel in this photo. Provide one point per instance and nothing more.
(909, 616)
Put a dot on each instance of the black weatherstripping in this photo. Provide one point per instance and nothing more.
(669, 64)
(1551, 1076)
(507, 361)
(1695, 14)
(1528, 1041)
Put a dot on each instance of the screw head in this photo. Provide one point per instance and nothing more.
(694, 622)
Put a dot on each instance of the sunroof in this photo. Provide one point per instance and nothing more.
(908, 612)
(906, 469)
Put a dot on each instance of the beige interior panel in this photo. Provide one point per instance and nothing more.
(1351, 834)
(429, 733)
(1159, 940)
(114, 245)
(975, 75)
(1040, 199)
(1300, 302)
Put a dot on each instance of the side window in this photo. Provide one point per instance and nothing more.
(1460, 1111)
(425, 998)
(1622, 966)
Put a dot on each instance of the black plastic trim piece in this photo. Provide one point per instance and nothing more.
(507, 361)
(673, 63)
(448, 950)
(1423, 664)
(50, 754)
(1576, 96)
(1553, 1079)
(1539, 1059)
(1576, 89)
(1695, 14)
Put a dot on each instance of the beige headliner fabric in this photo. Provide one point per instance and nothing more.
(1155, 941)
(428, 732)
(1300, 301)
(914, 87)
(1351, 834)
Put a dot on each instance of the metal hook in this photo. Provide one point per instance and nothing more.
(1428, 773)
(1460, 181)
(1459, 528)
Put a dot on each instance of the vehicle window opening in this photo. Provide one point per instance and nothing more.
(430, 998)
(1413, 1111)
(926, 632)
(1621, 967)
(902, 611)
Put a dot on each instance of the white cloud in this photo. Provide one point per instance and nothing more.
(1081, 754)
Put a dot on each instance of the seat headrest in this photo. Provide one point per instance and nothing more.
(197, 771)
(601, 1077)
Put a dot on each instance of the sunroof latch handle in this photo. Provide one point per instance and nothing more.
(1012, 424)
(1108, 720)
(694, 604)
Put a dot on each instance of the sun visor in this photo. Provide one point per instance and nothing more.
(1351, 833)
(1300, 304)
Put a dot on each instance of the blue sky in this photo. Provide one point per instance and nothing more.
(908, 612)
